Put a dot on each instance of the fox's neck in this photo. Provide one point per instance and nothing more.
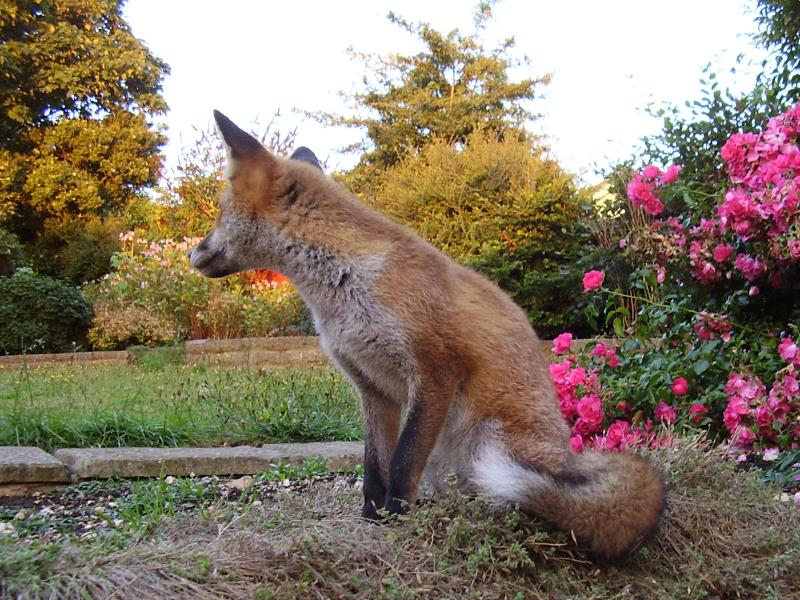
(324, 277)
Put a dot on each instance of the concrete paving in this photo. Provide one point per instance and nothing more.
(27, 464)
(101, 463)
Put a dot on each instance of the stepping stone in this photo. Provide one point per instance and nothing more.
(101, 463)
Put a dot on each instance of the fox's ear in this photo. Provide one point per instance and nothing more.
(240, 143)
(303, 154)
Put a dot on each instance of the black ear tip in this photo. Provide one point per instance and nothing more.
(220, 118)
(304, 154)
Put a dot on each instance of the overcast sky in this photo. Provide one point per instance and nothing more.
(608, 59)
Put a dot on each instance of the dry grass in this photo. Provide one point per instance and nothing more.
(724, 536)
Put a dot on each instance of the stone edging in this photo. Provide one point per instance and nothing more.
(119, 357)
(25, 469)
(260, 353)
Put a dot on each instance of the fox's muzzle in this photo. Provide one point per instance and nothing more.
(210, 263)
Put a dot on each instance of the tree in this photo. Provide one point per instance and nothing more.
(450, 89)
(694, 136)
(78, 93)
(779, 25)
(447, 152)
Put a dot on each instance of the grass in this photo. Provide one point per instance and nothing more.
(163, 403)
(724, 536)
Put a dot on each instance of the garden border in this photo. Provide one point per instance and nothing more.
(261, 353)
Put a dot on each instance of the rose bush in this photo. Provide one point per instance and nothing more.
(705, 308)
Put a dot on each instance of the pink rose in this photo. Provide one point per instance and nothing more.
(680, 386)
(743, 436)
(642, 193)
(590, 409)
(732, 415)
(616, 434)
(651, 171)
(671, 174)
(763, 416)
(665, 413)
(593, 280)
(697, 412)
(771, 454)
(722, 252)
(661, 274)
(599, 349)
(577, 376)
(576, 442)
(787, 349)
(794, 248)
(562, 343)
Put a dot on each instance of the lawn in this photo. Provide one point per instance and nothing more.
(162, 402)
(294, 533)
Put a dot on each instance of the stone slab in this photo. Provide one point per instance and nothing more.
(27, 464)
(261, 353)
(101, 463)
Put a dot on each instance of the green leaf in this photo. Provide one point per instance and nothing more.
(619, 330)
(701, 367)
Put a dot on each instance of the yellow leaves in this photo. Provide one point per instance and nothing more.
(467, 198)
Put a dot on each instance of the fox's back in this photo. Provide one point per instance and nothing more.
(406, 302)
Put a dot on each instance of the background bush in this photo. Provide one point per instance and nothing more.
(116, 329)
(77, 251)
(154, 296)
(42, 314)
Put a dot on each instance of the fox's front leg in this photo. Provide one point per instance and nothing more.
(430, 405)
(381, 427)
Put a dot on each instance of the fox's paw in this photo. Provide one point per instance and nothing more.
(396, 506)
(371, 512)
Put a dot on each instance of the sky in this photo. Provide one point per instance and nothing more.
(609, 60)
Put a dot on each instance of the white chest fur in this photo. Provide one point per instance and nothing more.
(354, 327)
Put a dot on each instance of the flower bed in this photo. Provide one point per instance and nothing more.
(713, 275)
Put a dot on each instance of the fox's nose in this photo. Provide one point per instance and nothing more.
(202, 247)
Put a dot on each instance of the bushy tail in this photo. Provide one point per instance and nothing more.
(611, 502)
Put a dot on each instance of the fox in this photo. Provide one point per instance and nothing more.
(452, 379)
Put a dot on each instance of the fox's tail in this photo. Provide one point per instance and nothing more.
(611, 502)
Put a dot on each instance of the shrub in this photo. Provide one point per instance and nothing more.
(714, 277)
(276, 310)
(117, 328)
(87, 253)
(154, 296)
(41, 313)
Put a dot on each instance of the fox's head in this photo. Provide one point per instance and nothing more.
(256, 206)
